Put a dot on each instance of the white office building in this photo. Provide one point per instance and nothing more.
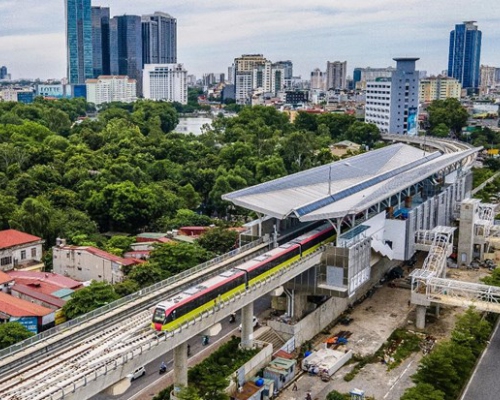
(392, 103)
(109, 88)
(165, 82)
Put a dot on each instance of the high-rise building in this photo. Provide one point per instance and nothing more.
(106, 89)
(79, 40)
(439, 88)
(165, 82)
(488, 77)
(392, 103)
(464, 55)
(3, 72)
(126, 47)
(317, 80)
(159, 39)
(100, 41)
(287, 67)
(244, 75)
(336, 75)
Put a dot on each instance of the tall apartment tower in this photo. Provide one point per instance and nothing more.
(159, 39)
(100, 41)
(78, 16)
(336, 75)
(392, 103)
(317, 80)
(464, 55)
(287, 67)
(126, 47)
(244, 67)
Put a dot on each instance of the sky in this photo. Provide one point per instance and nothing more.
(211, 33)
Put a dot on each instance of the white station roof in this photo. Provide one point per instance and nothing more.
(347, 186)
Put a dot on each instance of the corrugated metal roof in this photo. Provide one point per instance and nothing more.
(344, 187)
(15, 307)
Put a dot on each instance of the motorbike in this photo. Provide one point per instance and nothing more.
(205, 340)
(163, 369)
(232, 318)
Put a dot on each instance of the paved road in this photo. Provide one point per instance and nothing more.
(152, 368)
(484, 384)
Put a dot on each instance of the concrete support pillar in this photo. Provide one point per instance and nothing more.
(420, 323)
(180, 366)
(247, 326)
(437, 310)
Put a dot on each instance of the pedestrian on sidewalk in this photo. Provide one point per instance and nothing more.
(294, 388)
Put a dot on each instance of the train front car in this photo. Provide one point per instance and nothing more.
(159, 317)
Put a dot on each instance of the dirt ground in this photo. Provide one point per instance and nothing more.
(372, 323)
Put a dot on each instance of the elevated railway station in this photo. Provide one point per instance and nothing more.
(351, 221)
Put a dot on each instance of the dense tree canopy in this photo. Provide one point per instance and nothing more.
(96, 295)
(127, 171)
(448, 113)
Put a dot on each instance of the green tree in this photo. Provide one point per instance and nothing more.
(128, 286)
(363, 133)
(147, 274)
(182, 218)
(448, 112)
(120, 244)
(472, 331)
(423, 391)
(493, 279)
(34, 217)
(96, 295)
(177, 257)
(188, 393)
(13, 332)
(219, 240)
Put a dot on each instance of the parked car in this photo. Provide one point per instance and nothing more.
(141, 371)
(255, 323)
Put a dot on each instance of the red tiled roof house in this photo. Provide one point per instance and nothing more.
(19, 249)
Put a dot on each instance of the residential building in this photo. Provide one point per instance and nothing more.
(86, 263)
(464, 55)
(165, 82)
(439, 88)
(109, 88)
(488, 78)
(126, 42)
(159, 39)
(6, 282)
(336, 75)
(100, 41)
(287, 67)
(79, 40)
(19, 250)
(317, 80)
(363, 75)
(244, 74)
(33, 316)
(392, 103)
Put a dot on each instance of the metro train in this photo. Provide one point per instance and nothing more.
(205, 295)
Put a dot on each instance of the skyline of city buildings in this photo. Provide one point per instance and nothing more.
(100, 41)
(465, 54)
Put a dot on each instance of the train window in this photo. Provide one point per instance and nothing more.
(159, 315)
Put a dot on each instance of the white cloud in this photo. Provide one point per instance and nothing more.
(211, 33)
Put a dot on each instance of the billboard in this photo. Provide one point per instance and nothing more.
(25, 97)
(412, 121)
(80, 91)
(56, 91)
(30, 323)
